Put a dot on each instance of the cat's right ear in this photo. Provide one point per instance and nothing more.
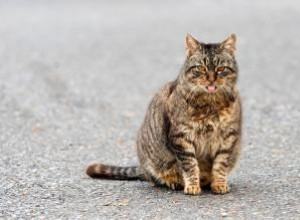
(191, 45)
(229, 44)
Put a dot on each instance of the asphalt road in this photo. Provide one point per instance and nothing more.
(77, 76)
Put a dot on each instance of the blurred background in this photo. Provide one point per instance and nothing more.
(76, 78)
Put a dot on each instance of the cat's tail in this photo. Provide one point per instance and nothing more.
(114, 172)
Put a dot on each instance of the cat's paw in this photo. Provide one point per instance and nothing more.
(220, 187)
(175, 186)
(192, 190)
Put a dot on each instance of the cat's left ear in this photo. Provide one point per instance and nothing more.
(229, 44)
(191, 45)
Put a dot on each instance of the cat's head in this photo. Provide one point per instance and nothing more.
(210, 69)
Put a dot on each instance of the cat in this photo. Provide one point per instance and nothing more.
(191, 134)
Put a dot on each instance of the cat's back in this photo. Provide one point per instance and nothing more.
(152, 136)
(165, 92)
(155, 118)
(160, 100)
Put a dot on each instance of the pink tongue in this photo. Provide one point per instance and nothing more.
(211, 89)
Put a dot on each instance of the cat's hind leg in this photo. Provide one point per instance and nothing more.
(170, 178)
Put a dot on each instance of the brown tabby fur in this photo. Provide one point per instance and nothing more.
(191, 135)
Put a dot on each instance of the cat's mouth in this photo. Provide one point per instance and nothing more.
(211, 89)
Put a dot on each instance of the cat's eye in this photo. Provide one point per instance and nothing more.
(198, 70)
(201, 68)
(222, 70)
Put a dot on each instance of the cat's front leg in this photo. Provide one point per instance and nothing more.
(219, 184)
(225, 159)
(185, 153)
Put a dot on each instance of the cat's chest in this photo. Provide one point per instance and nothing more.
(206, 135)
(204, 130)
(207, 127)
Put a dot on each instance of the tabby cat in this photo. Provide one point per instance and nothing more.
(191, 135)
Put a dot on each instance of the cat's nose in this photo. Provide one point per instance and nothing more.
(211, 76)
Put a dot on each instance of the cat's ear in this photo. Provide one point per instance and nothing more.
(191, 45)
(229, 44)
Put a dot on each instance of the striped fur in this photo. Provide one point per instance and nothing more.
(191, 135)
(114, 172)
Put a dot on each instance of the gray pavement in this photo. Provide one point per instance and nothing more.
(77, 76)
